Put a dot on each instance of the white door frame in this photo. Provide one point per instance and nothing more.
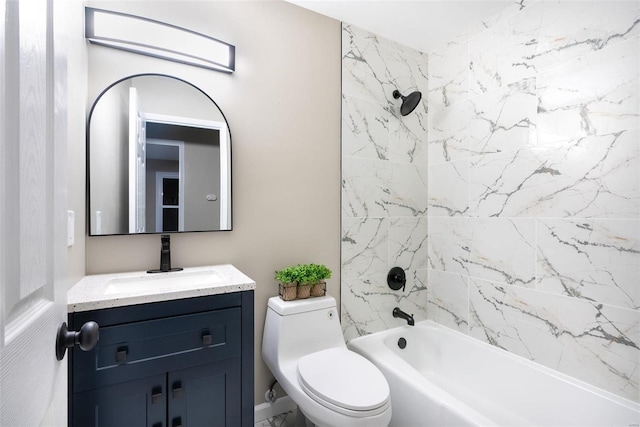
(137, 164)
(161, 175)
(180, 176)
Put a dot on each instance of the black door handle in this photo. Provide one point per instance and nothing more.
(86, 338)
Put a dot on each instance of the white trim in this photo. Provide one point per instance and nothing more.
(132, 164)
(184, 121)
(136, 127)
(225, 181)
(160, 175)
(181, 169)
(269, 410)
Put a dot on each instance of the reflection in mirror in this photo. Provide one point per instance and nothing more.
(159, 159)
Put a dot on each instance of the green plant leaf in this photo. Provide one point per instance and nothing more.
(303, 274)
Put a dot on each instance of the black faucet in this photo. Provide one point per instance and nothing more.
(165, 253)
(165, 256)
(401, 314)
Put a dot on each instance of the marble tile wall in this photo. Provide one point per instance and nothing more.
(534, 187)
(384, 182)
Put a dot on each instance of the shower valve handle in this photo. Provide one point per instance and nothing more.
(396, 278)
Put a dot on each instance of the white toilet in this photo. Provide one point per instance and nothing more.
(304, 348)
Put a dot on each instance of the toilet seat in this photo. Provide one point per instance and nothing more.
(344, 381)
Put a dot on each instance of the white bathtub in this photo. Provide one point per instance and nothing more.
(445, 378)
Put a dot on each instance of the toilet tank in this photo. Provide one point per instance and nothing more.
(295, 328)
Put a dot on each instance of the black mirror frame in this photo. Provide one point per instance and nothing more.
(88, 157)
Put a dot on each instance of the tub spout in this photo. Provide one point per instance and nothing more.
(401, 314)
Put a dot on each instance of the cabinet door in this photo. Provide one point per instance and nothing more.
(206, 395)
(135, 403)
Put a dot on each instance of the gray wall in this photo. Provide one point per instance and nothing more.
(286, 159)
(202, 178)
(77, 111)
(184, 100)
(112, 199)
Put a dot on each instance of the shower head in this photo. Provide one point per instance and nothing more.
(409, 103)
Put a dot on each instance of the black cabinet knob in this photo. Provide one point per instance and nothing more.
(207, 339)
(177, 422)
(156, 395)
(177, 390)
(86, 338)
(121, 354)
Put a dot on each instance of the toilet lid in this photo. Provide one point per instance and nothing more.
(343, 378)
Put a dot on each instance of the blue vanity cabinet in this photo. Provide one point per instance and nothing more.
(186, 362)
(132, 403)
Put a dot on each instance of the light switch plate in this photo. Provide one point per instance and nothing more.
(71, 224)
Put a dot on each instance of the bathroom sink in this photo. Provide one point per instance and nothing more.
(110, 290)
(161, 281)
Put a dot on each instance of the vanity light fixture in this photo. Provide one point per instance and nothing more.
(158, 39)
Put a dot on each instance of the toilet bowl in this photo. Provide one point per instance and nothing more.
(304, 348)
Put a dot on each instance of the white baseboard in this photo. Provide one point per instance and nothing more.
(269, 410)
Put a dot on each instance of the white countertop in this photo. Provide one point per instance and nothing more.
(122, 289)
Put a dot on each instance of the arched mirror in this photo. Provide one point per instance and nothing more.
(158, 159)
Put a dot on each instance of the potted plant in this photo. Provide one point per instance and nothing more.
(305, 280)
(322, 273)
(302, 280)
(314, 276)
(288, 278)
